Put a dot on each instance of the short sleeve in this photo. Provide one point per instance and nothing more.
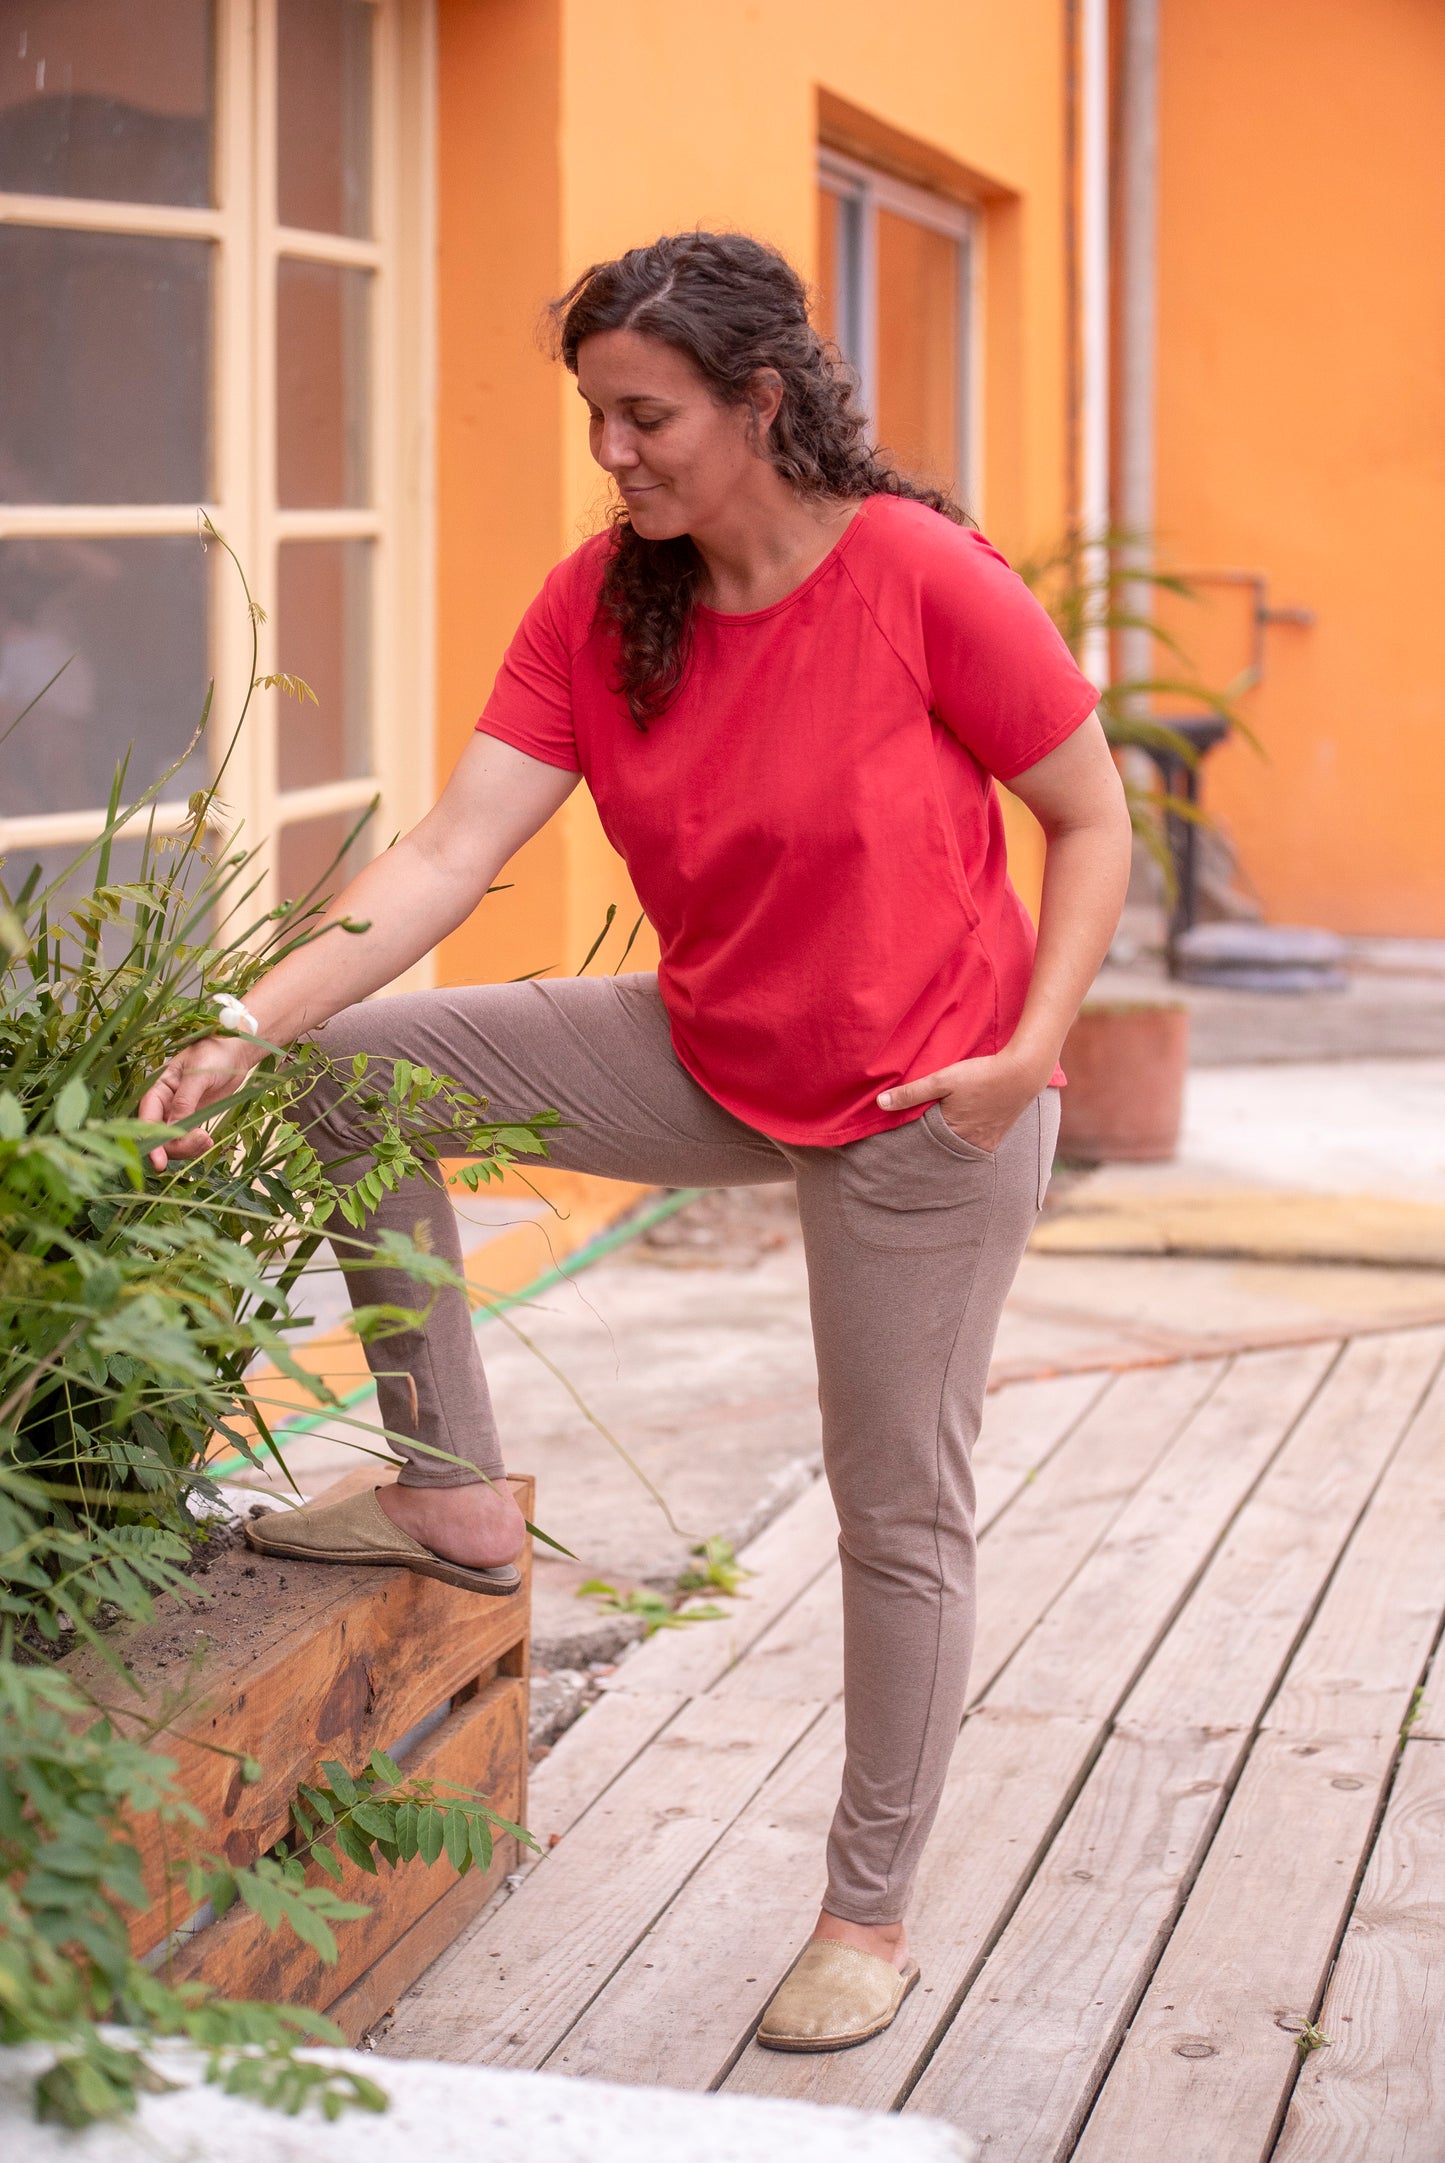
(531, 702)
(1000, 676)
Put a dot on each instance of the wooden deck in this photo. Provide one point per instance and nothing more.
(1198, 1804)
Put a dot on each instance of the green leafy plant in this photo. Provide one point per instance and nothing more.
(379, 1812)
(653, 1608)
(715, 1569)
(68, 1872)
(132, 1303)
(133, 1307)
(1097, 584)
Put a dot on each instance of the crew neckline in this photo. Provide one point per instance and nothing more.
(819, 570)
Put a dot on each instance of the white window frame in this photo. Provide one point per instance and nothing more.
(400, 522)
(861, 192)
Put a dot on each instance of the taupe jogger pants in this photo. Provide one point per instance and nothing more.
(912, 1239)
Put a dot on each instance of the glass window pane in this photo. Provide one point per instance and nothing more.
(918, 347)
(105, 355)
(323, 115)
(127, 859)
(825, 296)
(839, 313)
(110, 99)
(127, 621)
(323, 386)
(850, 327)
(323, 632)
(313, 853)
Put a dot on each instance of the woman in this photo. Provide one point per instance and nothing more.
(787, 676)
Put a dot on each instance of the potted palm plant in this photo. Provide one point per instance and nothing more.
(1126, 1058)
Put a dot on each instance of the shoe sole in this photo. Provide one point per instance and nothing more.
(499, 1583)
(842, 2042)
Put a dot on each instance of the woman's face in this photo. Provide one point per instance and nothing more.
(677, 455)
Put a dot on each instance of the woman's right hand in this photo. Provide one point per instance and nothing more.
(200, 1075)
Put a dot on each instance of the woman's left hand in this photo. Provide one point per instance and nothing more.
(979, 1098)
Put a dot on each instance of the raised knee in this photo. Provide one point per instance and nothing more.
(365, 1028)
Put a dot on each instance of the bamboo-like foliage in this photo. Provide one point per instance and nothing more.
(1105, 584)
(133, 1305)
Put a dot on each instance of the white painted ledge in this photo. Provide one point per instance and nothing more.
(467, 2114)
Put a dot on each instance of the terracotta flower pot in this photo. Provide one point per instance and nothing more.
(1126, 1064)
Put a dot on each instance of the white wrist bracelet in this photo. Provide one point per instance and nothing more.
(235, 1016)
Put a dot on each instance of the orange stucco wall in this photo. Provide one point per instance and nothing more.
(499, 453)
(1302, 429)
(570, 131)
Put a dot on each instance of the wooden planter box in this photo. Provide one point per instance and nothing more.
(305, 1661)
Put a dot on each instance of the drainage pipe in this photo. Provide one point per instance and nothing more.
(1138, 313)
(1093, 327)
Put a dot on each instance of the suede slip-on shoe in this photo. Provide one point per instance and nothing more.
(833, 1997)
(359, 1530)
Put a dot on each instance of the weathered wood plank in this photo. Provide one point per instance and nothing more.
(1104, 1461)
(373, 1995)
(1010, 1783)
(1097, 1635)
(1025, 1420)
(1030, 1554)
(1023, 1425)
(1273, 1890)
(582, 1766)
(1220, 1440)
(802, 1655)
(694, 1986)
(593, 1753)
(1211, 2053)
(1427, 1711)
(1021, 2061)
(1041, 2022)
(1225, 1654)
(555, 1943)
(1378, 2089)
(709, 1935)
(483, 1745)
(682, 2005)
(1358, 1669)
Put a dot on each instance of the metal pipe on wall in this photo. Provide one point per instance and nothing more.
(1138, 311)
(1093, 507)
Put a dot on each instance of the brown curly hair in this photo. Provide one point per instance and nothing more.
(733, 306)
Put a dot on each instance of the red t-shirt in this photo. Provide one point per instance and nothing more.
(811, 825)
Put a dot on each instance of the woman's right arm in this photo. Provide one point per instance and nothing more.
(409, 898)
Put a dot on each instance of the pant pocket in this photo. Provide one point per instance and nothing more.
(910, 1189)
(958, 1145)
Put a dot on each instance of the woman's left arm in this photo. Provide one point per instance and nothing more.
(1077, 797)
